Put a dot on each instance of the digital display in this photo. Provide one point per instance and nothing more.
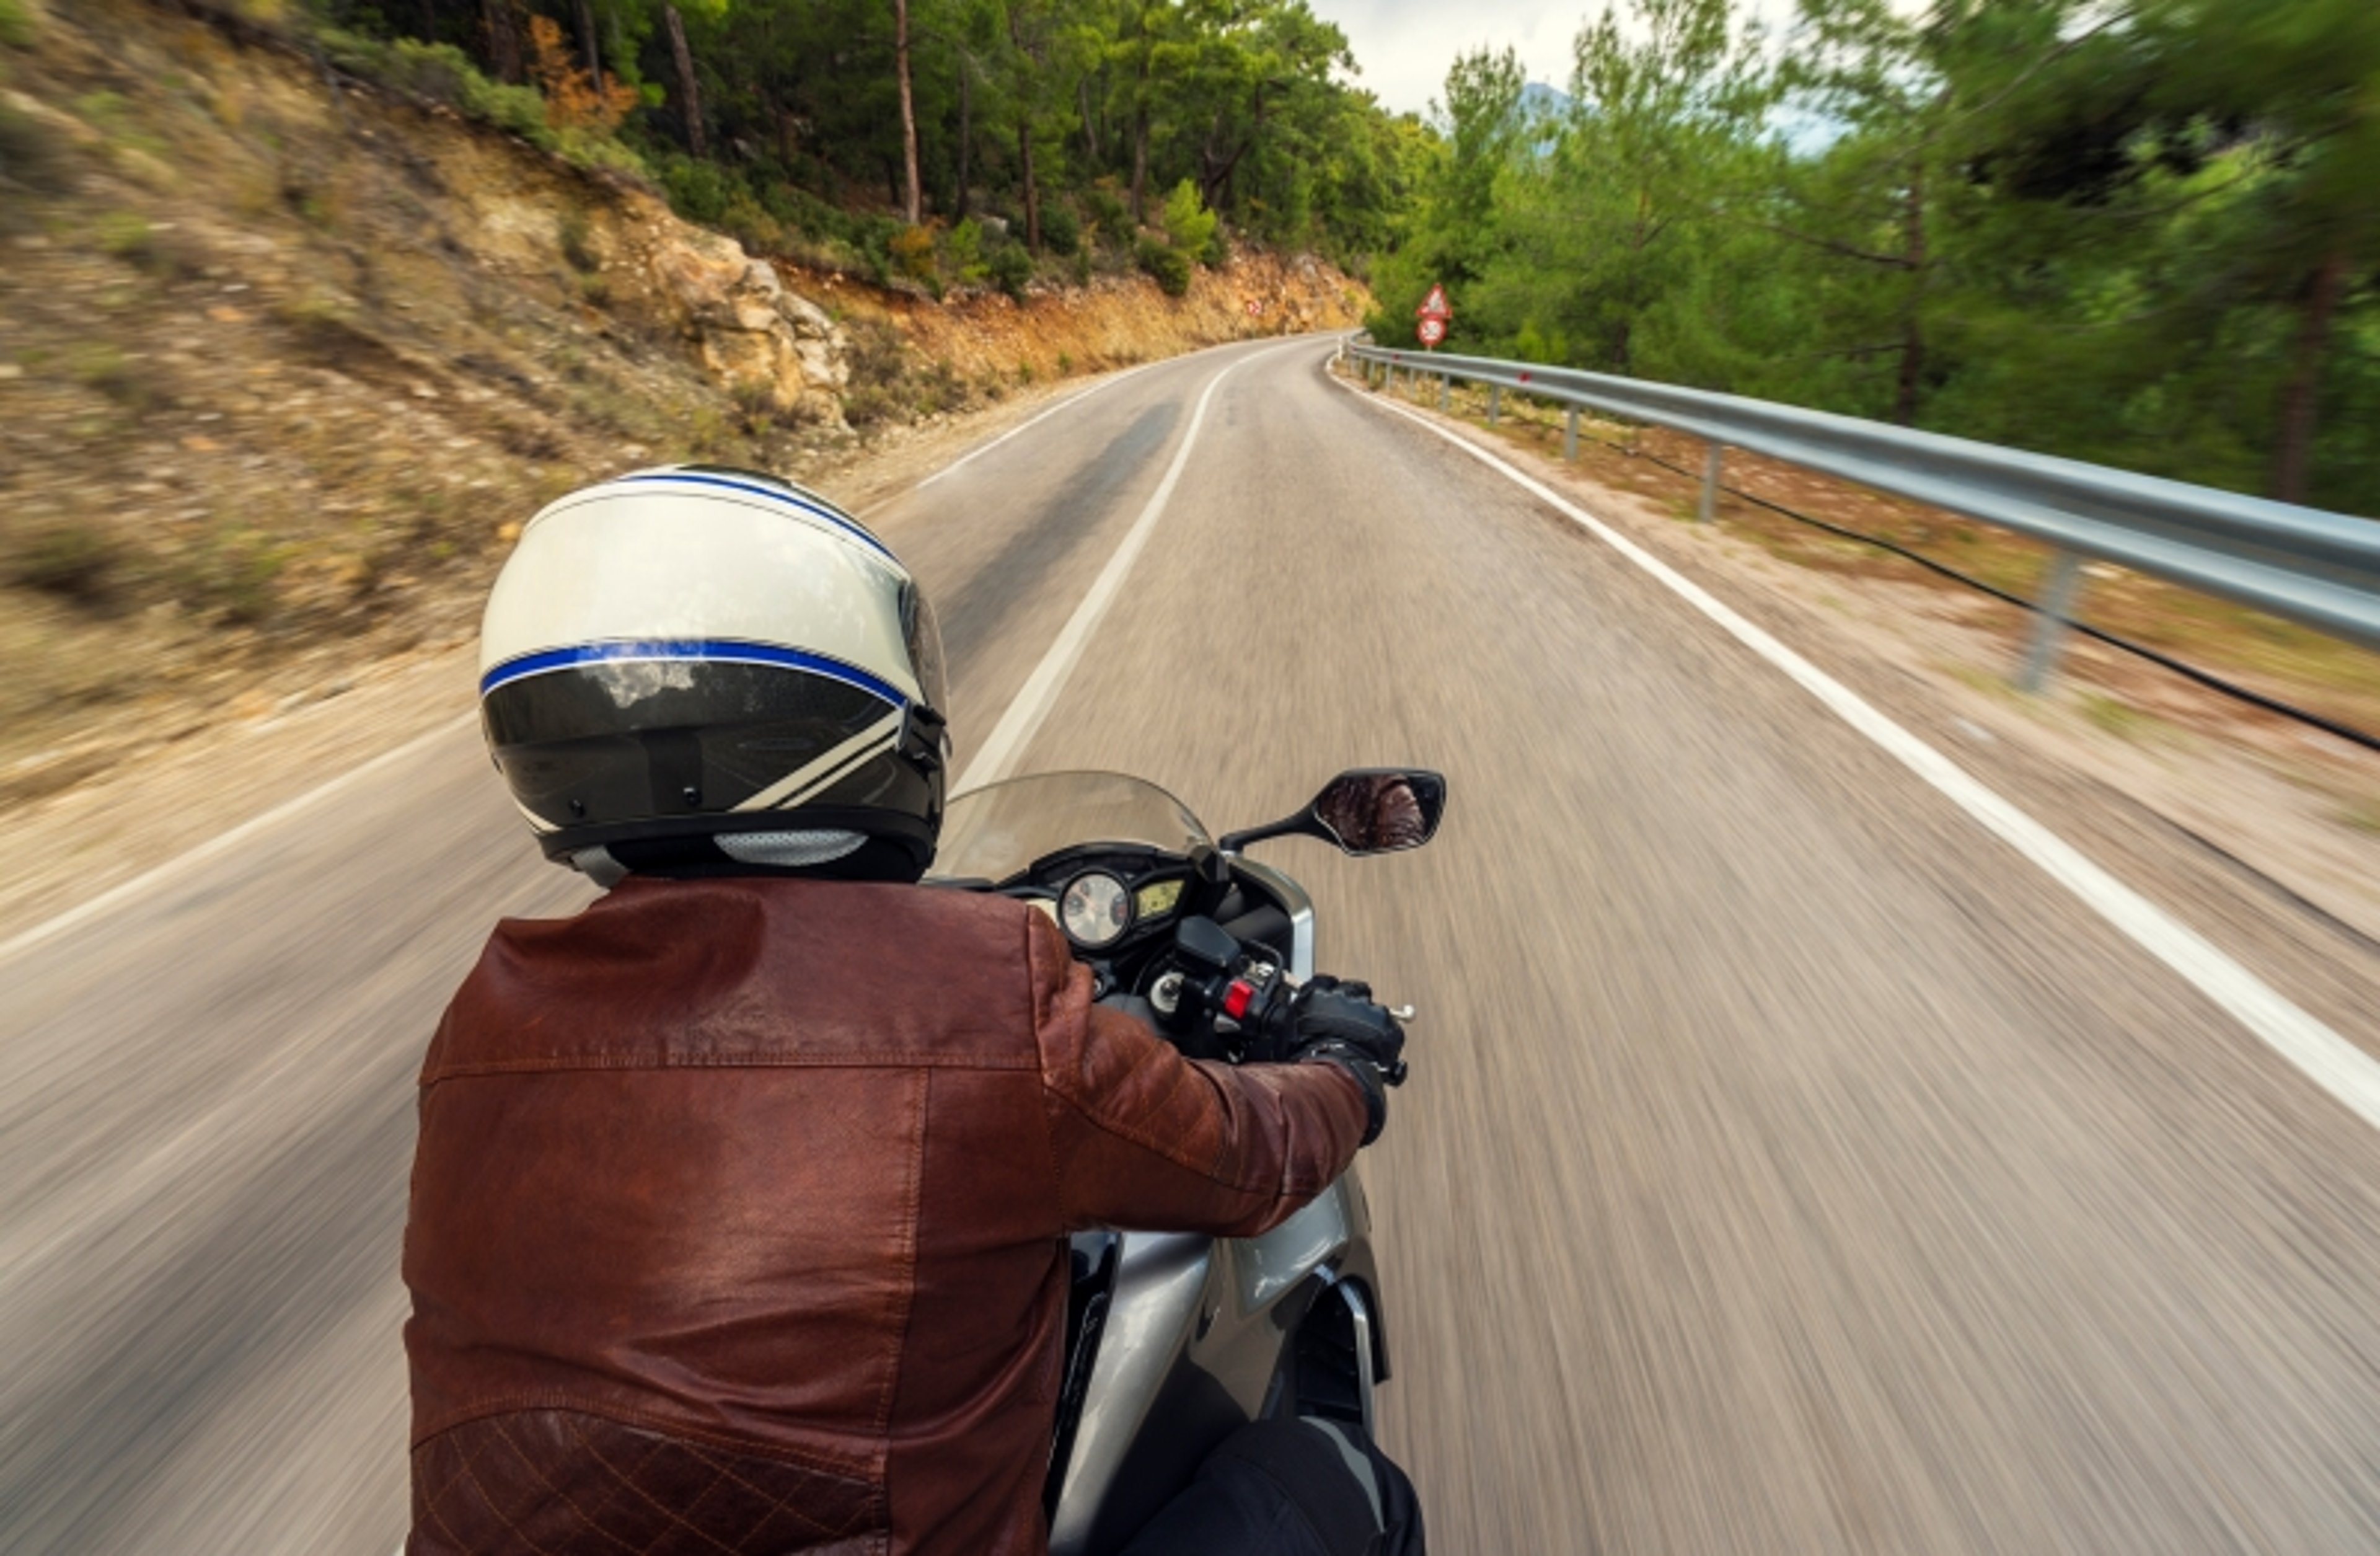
(1158, 897)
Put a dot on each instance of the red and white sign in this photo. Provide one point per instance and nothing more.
(1432, 329)
(1433, 306)
(1255, 307)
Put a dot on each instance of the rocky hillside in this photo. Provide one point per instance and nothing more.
(285, 359)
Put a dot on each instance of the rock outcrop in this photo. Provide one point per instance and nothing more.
(753, 334)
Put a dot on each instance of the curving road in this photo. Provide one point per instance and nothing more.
(1791, 1165)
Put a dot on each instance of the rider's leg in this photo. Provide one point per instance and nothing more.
(1309, 1487)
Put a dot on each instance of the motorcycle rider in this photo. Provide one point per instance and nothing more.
(738, 1209)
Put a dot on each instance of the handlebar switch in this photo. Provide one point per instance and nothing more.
(1206, 943)
(1237, 994)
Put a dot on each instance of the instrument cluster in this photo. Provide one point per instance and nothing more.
(1102, 904)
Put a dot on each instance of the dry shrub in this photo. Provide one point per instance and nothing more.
(573, 99)
(913, 252)
(75, 560)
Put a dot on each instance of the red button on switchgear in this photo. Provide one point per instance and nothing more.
(1236, 998)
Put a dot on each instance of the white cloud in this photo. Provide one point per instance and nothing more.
(1404, 46)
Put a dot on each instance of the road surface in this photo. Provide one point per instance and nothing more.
(1789, 1164)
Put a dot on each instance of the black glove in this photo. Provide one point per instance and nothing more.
(1329, 1022)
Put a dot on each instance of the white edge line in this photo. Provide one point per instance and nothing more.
(1040, 693)
(150, 879)
(1074, 399)
(2331, 1061)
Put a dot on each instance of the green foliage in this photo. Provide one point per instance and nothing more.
(964, 251)
(1011, 268)
(698, 189)
(1061, 231)
(2142, 234)
(1169, 265)
(442, 73)
(1190, 224)
(1111, 219)
(1055, 105)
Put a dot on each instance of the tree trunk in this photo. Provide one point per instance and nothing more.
(2301, 396)
(912, 205)
(1032, 193)
(588, 39)
(1140, 158)
(966, 130)
(1090, 129)
(1912, 324)
(689, 103)
(504, 39)
(1640, 238)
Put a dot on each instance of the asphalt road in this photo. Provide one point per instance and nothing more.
(1788, 1164)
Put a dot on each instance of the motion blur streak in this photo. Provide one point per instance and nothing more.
(2328, 1059)
(1786, 1166)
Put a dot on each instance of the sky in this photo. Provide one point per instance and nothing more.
(1404, 46)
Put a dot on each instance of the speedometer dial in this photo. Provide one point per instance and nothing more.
(1094, 909)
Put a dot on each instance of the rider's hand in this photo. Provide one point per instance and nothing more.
(1330, 1022)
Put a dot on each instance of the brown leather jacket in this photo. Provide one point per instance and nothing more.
(737, 1216)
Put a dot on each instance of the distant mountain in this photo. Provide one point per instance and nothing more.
(1540, 100)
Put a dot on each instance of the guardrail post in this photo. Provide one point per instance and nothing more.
(2057, 607)
(1712, 462)
(1445, 390)
(1570, 433)
(1495, 402)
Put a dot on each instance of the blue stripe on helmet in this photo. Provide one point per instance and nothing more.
(724, 650)
(788, 498)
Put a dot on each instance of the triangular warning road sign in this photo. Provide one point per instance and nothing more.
(1433, 306)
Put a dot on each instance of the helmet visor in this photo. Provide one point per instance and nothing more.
(925, 643)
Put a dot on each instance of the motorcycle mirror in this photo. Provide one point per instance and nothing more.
(1364, 811)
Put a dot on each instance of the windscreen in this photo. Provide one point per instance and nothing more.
(995, 833)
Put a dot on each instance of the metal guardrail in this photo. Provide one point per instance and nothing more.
(2321, 569)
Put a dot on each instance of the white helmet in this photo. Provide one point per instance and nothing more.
(700, 669)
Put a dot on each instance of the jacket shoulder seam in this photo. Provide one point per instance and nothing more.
(921, 1088)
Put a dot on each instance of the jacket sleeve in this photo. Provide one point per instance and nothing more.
(1146, 1139)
